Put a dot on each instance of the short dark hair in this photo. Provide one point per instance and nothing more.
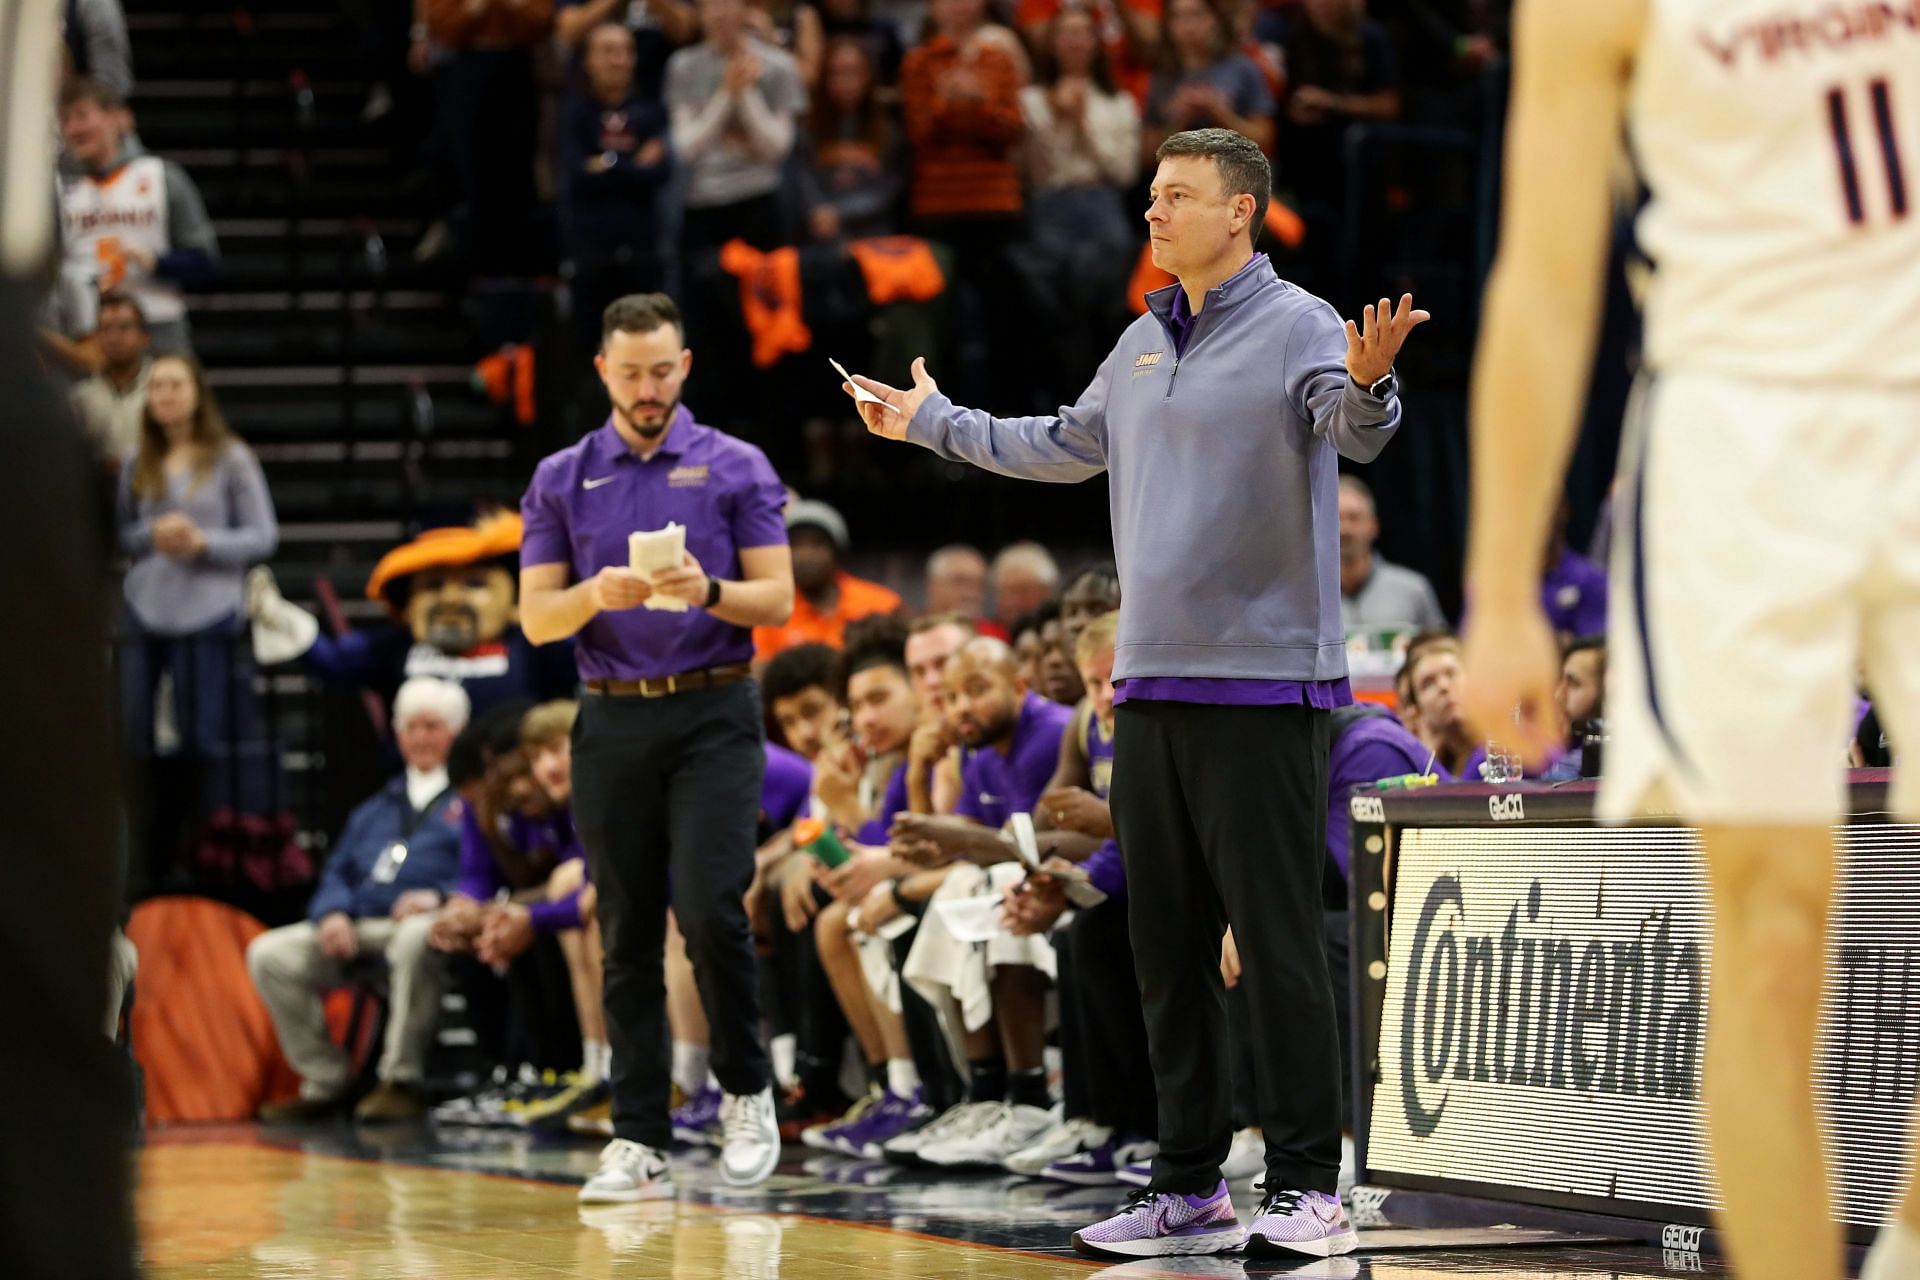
(492, 733)
(795, 670)
(879, 640)
(640, 313)
(1243, 166)
(87, 89)
(1596, 643)
(115, 298)
(1034, 619)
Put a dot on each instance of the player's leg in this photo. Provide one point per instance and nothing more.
(1738, 583)
(833, 940)
(1772, 887)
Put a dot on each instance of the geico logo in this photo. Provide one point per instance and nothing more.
(1677, 1235)
(1508, 808)
(1368, 809)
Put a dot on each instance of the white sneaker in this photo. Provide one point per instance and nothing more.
(1246, 1158)
(1069, 1138)
(1008, 1131)
(749, 1138)
(963, 1116)
(629, 1171)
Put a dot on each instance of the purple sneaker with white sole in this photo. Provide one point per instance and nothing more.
(697, 1122)
(1101, 1166)
(888, 1118)
(1160, 1224)
(1309, 1222)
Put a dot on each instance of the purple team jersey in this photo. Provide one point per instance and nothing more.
(875, 830)
(1103, 865)
(996, 786)
(482, 879)
(784, 788)
(585, 500)
(1372, 748)
(1574, 595)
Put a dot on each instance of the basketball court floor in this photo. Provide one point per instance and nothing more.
(340, 1203)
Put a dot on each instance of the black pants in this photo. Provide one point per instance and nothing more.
(1221, 813)
(1103, 1039)
(666, 793)
(804, 1004)
(527, 1016)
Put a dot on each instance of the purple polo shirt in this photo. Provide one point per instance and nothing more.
(877, 829)
(1574, 595)
(482, 880)
(784, 787)
(1322, 694)
(996, 786)
(585, 500)
(1103, 865)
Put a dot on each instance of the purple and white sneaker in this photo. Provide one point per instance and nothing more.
(888, 1118)
(1136, 1173)
(1159, 1224)
(1310, 1222)
(1101, 1166)
(697, 1122)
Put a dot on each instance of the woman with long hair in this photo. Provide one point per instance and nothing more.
(852, 179)
(194, 516)
(1204, 81)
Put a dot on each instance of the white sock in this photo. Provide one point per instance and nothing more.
(595, 1060)
(689, 1066)
(784, 1050)
(1895, 1254)
(902, 1077)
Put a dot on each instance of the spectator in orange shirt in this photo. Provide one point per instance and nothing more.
(826, 597)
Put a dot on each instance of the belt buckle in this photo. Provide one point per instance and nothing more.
(647, 689)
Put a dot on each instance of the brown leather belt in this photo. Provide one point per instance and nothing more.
(684, 682)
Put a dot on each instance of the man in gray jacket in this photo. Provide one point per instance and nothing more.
(1218, 417)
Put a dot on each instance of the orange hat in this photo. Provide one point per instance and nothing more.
(493, 538)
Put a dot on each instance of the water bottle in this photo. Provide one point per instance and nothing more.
(1500, 765)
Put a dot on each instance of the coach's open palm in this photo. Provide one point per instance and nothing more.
(1373, 344)
(883, 421)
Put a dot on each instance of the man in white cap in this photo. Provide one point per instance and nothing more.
(391, 868)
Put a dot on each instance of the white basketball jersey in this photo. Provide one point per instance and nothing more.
(103, 217)
(1780, 140)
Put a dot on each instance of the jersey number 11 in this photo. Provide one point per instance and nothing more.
(1889, 151)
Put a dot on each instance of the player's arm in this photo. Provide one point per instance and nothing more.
(1571, 68)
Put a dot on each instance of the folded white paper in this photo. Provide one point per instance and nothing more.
(656, 551)
(1075, 882)
(860, 394)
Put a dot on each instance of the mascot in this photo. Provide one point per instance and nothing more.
(453, 596)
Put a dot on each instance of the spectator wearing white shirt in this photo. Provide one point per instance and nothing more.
(110, 403)
(733, 100)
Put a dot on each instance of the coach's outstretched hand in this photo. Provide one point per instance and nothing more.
(885, 422)
(1373, 344)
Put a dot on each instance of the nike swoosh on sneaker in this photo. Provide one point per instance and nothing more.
(595, 484)
(1330, 1218)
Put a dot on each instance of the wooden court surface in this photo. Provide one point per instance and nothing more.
(334, 1203)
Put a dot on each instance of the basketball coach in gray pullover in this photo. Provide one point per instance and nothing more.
(1218, 416)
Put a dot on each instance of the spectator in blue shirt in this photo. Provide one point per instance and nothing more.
(391, 867)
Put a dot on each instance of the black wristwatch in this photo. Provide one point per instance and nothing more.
(1384, 387)
(713, 592)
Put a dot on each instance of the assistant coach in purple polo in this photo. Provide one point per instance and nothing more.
(1218, 417)
(667, 756)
